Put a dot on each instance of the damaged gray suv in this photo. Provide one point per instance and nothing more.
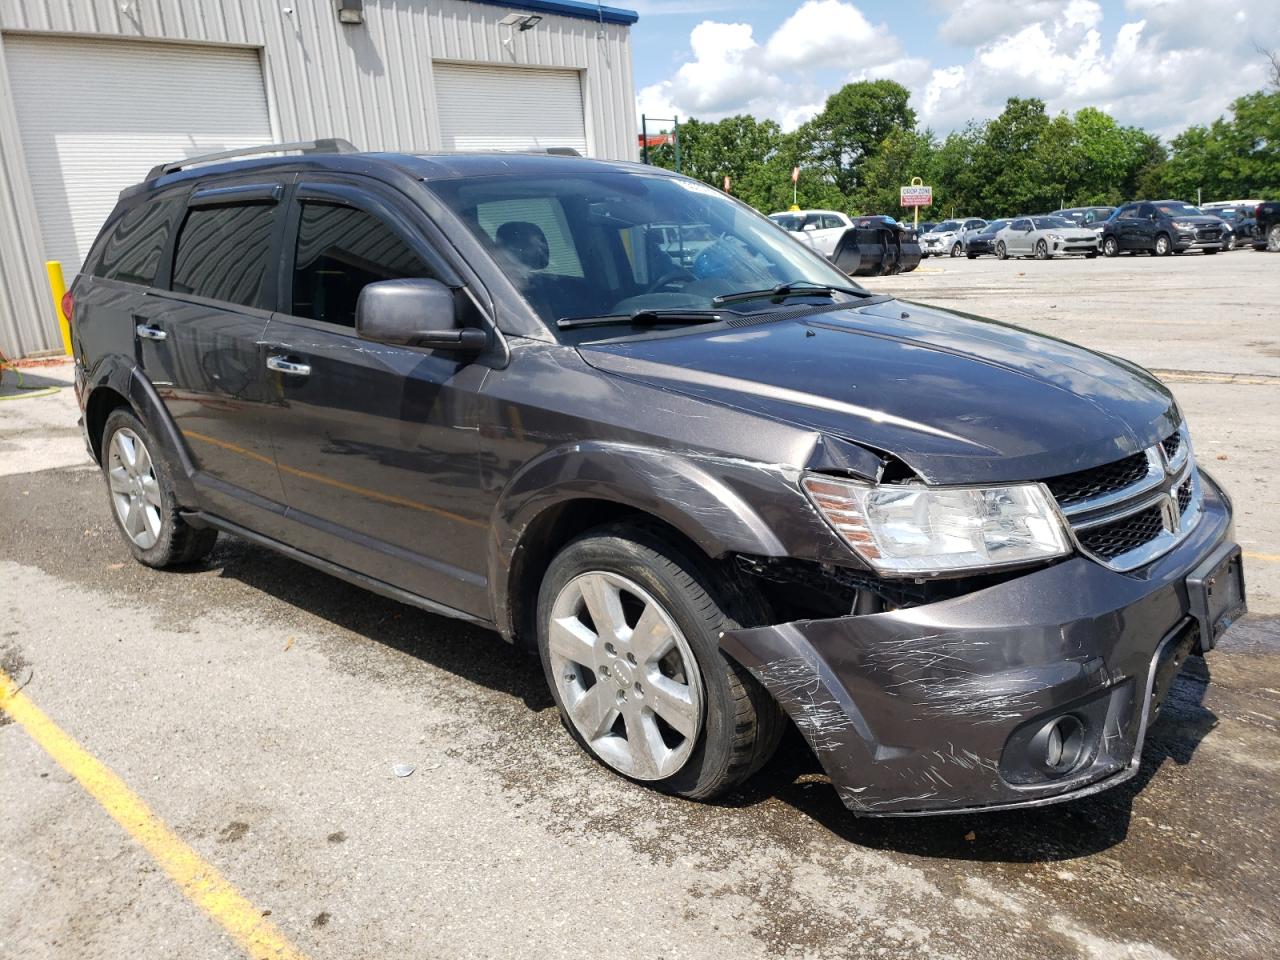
(621, 418)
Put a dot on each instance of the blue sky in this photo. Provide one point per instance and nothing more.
(1161, 64)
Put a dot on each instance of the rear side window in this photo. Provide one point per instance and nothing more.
(133, 249)
(339, 251)
(222, 253)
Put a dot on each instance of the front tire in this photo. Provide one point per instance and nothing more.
(1273, 238)
(1110, 248)
(1002, 252)
(1164, 246)
(140, 489)
(628, 633)
(1042, 250)
(972, 256)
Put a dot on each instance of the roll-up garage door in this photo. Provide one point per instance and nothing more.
(509, 108)
(96, 115)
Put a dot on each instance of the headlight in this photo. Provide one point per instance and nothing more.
(1183, 225)
(1055, 237)
(913, 528)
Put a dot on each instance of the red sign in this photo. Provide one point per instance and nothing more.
(918, 196)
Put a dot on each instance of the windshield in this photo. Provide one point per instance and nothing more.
(946, 226)
(612, 243)
(1053, 223)
(1178, 209)
(995, 226)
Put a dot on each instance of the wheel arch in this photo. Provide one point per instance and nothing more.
(568, 491)
(118, 387)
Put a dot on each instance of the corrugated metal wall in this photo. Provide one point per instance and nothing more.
(371, 84)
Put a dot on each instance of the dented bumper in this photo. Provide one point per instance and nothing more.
(942, 707)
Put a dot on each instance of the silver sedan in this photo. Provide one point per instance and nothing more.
(1045, 238)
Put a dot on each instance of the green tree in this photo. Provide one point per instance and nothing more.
(851, 128)
(729, 147)
(903, 154)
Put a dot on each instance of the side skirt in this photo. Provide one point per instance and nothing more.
(379, 587)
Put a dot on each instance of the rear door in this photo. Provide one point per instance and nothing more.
(199, 343)
(377, 444)
(830, 229)
(1018, 238)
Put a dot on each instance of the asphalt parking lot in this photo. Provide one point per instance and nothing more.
(258, 708)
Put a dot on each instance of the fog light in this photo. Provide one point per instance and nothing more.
(1058, 746)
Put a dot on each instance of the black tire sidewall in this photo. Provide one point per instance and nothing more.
(616, 552)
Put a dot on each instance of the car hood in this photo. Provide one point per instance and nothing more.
(1200, 221)
(958, 398)
(1073, 233)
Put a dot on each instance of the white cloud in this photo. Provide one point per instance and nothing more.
(1172, 63)
(824, 33)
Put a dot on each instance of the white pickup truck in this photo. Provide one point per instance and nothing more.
(819, 229)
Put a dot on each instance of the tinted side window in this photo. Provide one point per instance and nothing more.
(339, 251)
(222, 253)
(133, 249)
(1128, 213)
(1146, 210)
(831, 223)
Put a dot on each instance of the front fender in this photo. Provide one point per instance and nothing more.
(711, 500)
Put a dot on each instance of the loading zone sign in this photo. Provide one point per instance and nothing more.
(917, 195)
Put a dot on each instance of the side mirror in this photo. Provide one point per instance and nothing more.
(415, 313)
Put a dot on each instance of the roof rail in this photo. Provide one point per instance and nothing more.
(325, 145)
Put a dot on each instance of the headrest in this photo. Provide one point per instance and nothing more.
(525, 243)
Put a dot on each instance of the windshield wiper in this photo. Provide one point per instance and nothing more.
(640, 318)
(798, 288)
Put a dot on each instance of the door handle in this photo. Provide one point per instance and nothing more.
(291, 367)
(148, 332)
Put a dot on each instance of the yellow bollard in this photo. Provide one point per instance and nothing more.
(58, 287)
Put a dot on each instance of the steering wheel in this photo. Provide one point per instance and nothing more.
(671, 276)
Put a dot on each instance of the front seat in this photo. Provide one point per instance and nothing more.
(523, 244)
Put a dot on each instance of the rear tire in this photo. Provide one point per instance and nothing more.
(140, 491)
(1273, 238)
(649, 693)
(956, 250)
(972, 256)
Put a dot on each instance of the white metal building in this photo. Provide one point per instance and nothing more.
(93, 93)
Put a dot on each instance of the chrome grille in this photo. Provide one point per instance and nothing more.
(1128, 533)
(1083, 485)
(1127, 513)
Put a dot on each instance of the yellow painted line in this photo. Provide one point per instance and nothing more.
(198, 880)
(329, 481)
(1264, 557)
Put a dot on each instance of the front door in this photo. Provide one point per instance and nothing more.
(199, 343)
(377, 444)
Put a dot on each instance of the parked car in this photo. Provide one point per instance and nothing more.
(1091, 217)
(1237, 225)
(983, 241)
(948, 237)
(1266, 230)
(1161, 227)
(819, 230)
(966, 559)
(1045, 238)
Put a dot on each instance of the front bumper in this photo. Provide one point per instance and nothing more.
(1066, 247)
(937, 247)
(1184, 241)
(934, 709)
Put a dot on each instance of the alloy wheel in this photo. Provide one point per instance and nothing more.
(1109, 247)
(135, 491)
(956, 250)
(1042, 251)
(1002, 252)
(626, 675)
(1162, 246)
(1273, 239)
